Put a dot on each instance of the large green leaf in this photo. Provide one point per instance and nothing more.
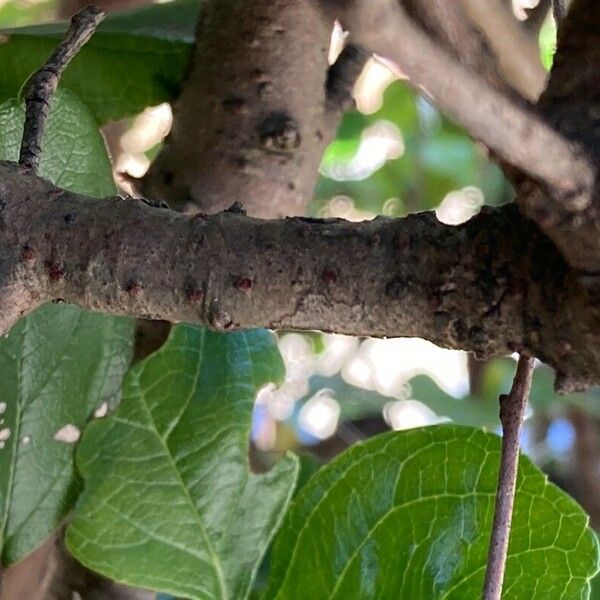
(408, 515)
(169, 502)
(59, 364)
(135, 59)
(57, 367)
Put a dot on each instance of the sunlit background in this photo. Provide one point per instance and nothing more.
(394, 155)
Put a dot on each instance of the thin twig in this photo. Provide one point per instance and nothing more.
(512, 410)
(43, 83)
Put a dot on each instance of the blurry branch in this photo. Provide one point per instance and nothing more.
(536, 17)
(517, 53)
(43, 83)
(555, 164)
(511, 131)
(559, 9)
(512, 411)
(586, 463)
(479, 286)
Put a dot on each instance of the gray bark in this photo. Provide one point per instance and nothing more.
(253, 120)
(494, 285)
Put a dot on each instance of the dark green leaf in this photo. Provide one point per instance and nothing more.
(57, 367)
(135, 59)
(408, 515)
(169, 502)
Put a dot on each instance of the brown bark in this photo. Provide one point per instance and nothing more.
(510, 290)
(494, 285)
(252, 120)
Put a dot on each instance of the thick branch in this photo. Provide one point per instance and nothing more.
(253, 118)
(494, 285)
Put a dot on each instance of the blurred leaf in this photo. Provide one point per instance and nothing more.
(408, 515)
(169, 502)
(135, 59)
(438, 159)
(16, 13)
(475, 412)
(355, 402)
(59, 363)
(547, 42)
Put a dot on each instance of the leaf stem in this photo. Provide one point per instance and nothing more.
(43, 83)
(512, 410)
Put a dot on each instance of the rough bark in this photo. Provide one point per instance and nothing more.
(252, 120)
(494, 285)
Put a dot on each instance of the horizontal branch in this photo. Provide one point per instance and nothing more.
(494, 285)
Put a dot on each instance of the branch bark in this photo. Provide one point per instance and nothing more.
(494, 285)
(253, 118)
(517, 53)
(556, 151)
(43, 83)
(512, 411)
(511, 131)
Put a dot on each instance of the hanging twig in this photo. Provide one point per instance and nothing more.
(43, 83)
(512, 410)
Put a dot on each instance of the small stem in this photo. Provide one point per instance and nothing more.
(512, 410)
(43, 83)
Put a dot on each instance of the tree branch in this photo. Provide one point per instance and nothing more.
(512, 411)
(517, 53)
(259, 71)
(556, 154)
(43, 83)
(511, 131)
(494, 285)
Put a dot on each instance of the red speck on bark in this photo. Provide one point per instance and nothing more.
(56, 272)
(27, 254)
(243, 283)
(133, 288)
(195, 296)
(329, 276)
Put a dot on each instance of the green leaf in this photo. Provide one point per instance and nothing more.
(547, 43)
(408, 515)
(135, 59)
(60, 363)
(57, 367)
(169, 502)
(73, 152)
